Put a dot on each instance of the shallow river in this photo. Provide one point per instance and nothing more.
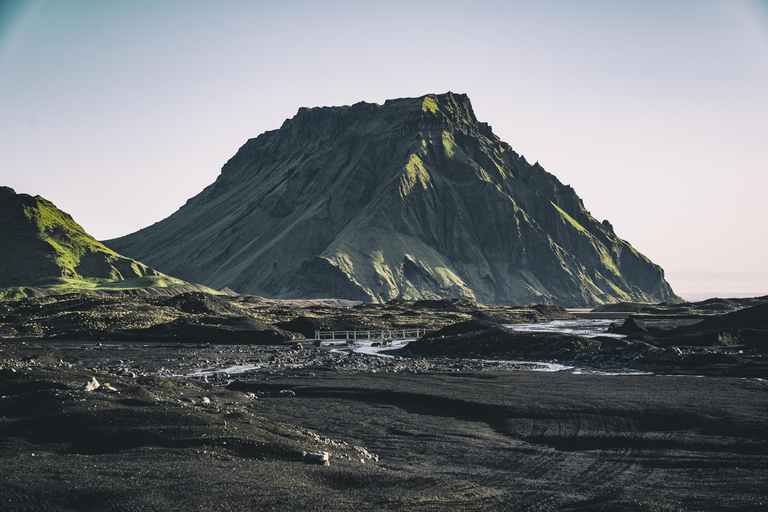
(588, 328)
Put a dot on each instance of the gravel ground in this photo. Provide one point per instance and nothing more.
(180, 427)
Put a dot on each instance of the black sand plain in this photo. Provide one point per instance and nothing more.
(201, 405)
(415, 434)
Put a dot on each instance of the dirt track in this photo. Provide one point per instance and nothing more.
(489, 440)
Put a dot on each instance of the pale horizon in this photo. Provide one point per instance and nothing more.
(655, 113)
(698, 286)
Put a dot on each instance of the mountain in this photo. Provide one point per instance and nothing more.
(411, 199)
(39, 241)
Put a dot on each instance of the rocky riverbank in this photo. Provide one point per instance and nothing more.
(223, 363)
(733, 344)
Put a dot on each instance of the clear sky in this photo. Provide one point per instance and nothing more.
(655, 111)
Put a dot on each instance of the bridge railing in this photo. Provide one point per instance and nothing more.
(352, 337)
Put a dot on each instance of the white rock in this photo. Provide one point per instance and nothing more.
(321, 458)
(91, 385)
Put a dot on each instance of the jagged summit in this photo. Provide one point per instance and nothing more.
(6, 192)
(414, 199)
(449, 111)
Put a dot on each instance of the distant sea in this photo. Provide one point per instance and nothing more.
(698, 286)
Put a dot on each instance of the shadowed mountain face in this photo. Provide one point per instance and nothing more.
(40, 241)
(413, 199)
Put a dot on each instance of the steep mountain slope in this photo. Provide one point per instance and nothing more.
(40, 241)
(414, 199)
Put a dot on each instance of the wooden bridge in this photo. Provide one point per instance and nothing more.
(352, 337)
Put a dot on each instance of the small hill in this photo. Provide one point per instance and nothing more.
(43, 246)
(746, 329)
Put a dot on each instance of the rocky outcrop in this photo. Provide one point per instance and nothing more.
(412, 199)
(39, 241)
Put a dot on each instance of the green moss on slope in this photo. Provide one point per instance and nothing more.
(448, 144)
(413, 175)
(569, 219)
(429, 104)
(40, 241)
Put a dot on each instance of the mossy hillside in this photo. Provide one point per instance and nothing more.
(41, 241)
(157, 281)
(65, 285)
(15, 293)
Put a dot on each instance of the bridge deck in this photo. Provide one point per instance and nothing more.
(371, 334)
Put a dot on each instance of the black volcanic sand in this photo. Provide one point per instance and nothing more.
(497, 439)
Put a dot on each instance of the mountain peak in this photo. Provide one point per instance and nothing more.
(412, 199)
(448, 111)
(452, 112)
(448, 103)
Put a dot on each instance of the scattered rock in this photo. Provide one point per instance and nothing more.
(365, 453)
(287, 392)
(91, 385)
(321, 458)
(630, 326)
